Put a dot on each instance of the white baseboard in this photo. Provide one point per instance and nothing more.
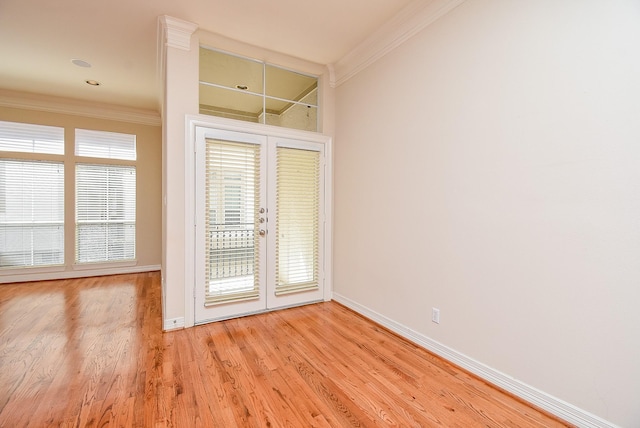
(553, 405)
(173, 324)
(52, 274)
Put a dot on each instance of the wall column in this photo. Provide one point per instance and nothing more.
(178, 65)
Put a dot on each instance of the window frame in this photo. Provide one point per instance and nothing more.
(37, 154)
(263, 117)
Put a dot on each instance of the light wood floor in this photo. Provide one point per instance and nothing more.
(91, 353)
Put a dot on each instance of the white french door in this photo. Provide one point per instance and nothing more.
(259, 231)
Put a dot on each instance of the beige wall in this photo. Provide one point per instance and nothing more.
(148, 177)
(489, 167)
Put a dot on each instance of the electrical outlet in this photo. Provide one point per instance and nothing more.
(435, 315)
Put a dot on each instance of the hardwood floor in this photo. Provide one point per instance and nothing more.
(91, 353)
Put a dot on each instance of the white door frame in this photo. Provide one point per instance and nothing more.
(195, 121)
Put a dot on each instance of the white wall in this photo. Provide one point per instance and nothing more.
(490, 167)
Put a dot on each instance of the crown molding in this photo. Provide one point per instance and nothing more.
(29, 101)
(177, 33)
(418, 15)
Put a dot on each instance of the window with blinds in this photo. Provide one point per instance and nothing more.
(31, 213)
(298, 201)
(232, 190)
(105, 213)
(30, 138)
(31, 196)
(107, 145)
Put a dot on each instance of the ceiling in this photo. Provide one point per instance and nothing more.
(38, 39)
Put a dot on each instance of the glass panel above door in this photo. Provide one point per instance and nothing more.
(253, 91)
(222, 102)
(231, 71)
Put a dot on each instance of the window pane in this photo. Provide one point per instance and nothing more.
(298, 202)
(230, 71)
(222, 102)
(31, 213)
(295, 116)
(105, 213)
(29, 138)
(108, 145)
(288, 85)
(232, 196)
(253, 91)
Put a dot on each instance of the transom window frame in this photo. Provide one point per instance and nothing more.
(241, 91)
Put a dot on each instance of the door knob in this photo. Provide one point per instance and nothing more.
(262, 232)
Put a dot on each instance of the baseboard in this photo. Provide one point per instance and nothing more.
(173, 324)
(544, 401)
(69, 274)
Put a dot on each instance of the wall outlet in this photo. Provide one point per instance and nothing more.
(435, 315)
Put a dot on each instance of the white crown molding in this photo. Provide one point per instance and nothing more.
(408, 22)
(177, 33)
(29, 101)
(541, 399)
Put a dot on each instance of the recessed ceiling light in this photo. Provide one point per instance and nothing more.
(81, 63)
(242, 87)
(92, 82)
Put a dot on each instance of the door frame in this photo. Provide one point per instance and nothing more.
(192, 122)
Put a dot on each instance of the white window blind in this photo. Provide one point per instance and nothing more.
(31, 213)
(29, 138)
(105, 213)
(232, 192)
(298, 201)
(108, 145)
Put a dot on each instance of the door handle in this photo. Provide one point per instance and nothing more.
(262, 232)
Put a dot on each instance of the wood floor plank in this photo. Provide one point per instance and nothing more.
(91, 353)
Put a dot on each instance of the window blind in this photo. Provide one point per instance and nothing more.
(232, 190)
(30, 138)
(105, 213)
(31, 213)
(298, 201)
(108, 145)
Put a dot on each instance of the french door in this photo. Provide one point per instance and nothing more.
(259, 223)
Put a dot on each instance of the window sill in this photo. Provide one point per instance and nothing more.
(28, 270)
(104, 265)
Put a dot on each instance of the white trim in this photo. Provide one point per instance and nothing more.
(549, 403)
(51, 275)
(173, 324)
(28, 101)
(177, 33)
(408, 22)
(104, 265)
(328, 221)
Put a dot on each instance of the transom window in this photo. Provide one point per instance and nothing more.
(245, 89)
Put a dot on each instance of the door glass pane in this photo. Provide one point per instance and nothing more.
(232, 189)
(298, 201)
